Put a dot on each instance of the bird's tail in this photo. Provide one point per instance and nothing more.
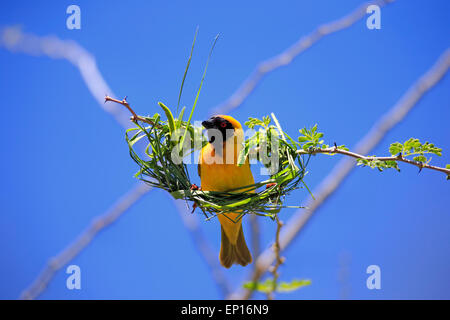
(234, 253)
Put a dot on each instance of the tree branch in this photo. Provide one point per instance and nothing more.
(192, 225)
(255, 235)
(336, 150)
(279, 260)
(134, 116)
(341, 171)
(15, 40)
(287, 56)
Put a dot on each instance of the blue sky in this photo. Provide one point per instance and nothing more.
(65, 160)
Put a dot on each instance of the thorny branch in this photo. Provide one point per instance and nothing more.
(341, 171)
(399, 157)
(134, 116)
(279, 260)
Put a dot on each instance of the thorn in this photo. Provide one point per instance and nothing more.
(420, 167)
(270, 185)
(335, 145)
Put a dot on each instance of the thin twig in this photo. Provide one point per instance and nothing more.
(287, 56)
(279, 260)
(334, 150)
(341, 171)
(134, 116)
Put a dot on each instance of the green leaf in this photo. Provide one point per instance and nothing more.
(199, 90)
(169, 116)
(180, 118)
(378, 164)
(187, 68)
(420, 159)
(253, 122)
(308, 145)
(293, 285)
(282, 287)
(302, 139)
(395, 148)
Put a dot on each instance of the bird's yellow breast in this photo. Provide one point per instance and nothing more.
(226, 175)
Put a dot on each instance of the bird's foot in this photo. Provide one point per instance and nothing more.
(195, 187)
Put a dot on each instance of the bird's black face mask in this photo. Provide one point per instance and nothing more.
(218, 127)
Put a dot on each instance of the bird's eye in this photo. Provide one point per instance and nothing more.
(223, 124)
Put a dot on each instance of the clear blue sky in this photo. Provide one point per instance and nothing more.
(64, 161)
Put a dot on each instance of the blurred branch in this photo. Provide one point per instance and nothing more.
(343, 275)
(14, 40)
(84, 239)
(287, 56)
(190, 221)
(341, 171)
(255, 234)
(399, 157)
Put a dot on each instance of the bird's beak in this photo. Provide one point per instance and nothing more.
(208, 124)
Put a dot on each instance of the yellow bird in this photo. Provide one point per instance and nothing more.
(219, 171)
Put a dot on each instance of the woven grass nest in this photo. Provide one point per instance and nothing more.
(161, 166)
